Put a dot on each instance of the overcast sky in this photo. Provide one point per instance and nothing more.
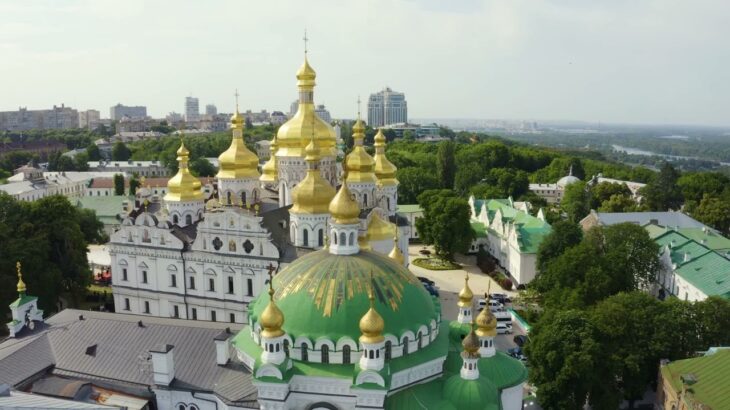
(658, 61)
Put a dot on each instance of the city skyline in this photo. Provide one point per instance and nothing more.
(616, 63)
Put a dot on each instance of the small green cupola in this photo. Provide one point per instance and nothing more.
(24, 309)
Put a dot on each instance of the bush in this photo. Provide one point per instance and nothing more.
(506, 283)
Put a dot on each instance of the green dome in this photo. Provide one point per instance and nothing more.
(325, 295)
(471, 394)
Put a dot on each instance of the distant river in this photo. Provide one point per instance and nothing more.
(636, 151)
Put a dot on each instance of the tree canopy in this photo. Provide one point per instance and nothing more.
(445, 223)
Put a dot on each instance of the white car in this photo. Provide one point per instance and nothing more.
(504, 328)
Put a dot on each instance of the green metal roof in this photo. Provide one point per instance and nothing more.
(409, 208)
(22, 300)
(706, 236)
(713, 378)
(479, 229)
(699, 265)
(531, 230)
(106, 207)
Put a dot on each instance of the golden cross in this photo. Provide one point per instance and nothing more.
(236, 95)
(306, 39)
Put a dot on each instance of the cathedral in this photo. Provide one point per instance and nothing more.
(295, 287)
(188, 256)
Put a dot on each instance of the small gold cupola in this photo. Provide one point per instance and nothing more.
(466, 296)
(395, 253)
(237, 161)
(21, 285)
(270, 170)
(385, 171)
(272, 318)
(183, 186)
(359, 164)
(371, 324)
(343, 208)
(314, 194)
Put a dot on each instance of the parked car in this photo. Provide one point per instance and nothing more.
(494, 305)
(501, 298)
(503, 328)
(426, 280)
(431, 289)
(515, 351)
(520, 340)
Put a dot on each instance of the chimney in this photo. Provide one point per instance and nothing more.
(222, 347)
(163, 364)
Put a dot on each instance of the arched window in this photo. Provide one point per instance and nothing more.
(243, 197)
(181, 407)
(286, 346)
(388, 202)
(405, 345)
(346, 354)
(305, 353)
(146, 236)
(325, 354)
(188, 219)
(129, 236)
(371, 354)
(365, 199)
(388, 349)
(277, 348)
(343, 238)
(175, 219)
(334, 237)
(231, 246)
(320, 237)
(305, 237)
(420, 340)
(352, 239)
(228, 197)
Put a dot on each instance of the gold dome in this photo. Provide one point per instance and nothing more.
(344, 209)
(378, 229)
(359, 164)
(238, 161)
(363, 243)
(471, 344)
(372, 324)
(183, 186)
(466, 296)
(314, 194)
(270, 170)
(294, 134)
(21, 285)
(486, 322)
(384, 169)
(272, 319)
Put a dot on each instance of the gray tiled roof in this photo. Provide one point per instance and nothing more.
(122, 352)
(671, 219)
(20, 400)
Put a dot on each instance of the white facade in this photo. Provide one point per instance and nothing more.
(214, 278)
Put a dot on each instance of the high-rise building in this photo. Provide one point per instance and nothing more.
(118, 111)
(323, 113)
(387, 107)
(293, 108)
(89, 119)
(211, 109)
(192, 109)
(56, 118)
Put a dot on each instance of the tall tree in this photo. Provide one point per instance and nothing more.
(715, 212)
(663, 193)
(118, 184)
(568, 363)
(445, 223)
(93, 152)
(576, 202)
(564, 235)
(120, 152)
(446, 164)
(413, 181)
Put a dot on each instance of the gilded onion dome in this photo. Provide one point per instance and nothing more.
(270, 170)
(466, 295)
(378, 229)
(344, 209)
(237, 161)
(294, 134)
(272, 319)
(314, 194)
(21, 285)
(384, 169)
(471, 345)
(486, 322)
(358, 163)
(372, 324)
(183, 186)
